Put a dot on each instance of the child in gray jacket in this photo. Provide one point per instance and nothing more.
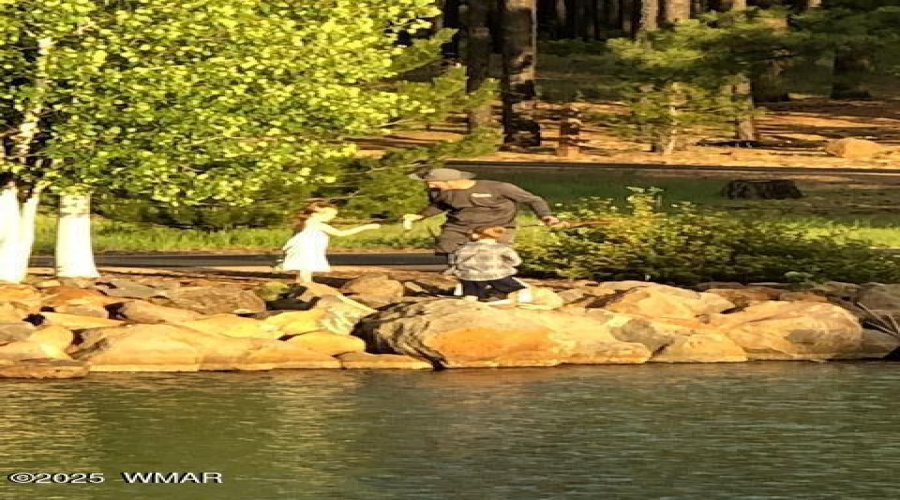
(484, 264)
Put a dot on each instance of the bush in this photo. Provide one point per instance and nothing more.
(686, 245)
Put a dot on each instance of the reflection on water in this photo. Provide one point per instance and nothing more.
(767, 430)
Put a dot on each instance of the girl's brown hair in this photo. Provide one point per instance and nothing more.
(300, 218)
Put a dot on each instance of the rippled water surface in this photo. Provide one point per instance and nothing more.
(749, 431)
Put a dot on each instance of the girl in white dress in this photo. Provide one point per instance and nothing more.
(305, 251)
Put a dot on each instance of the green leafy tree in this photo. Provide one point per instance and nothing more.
(201, 101)
(855, 32)
(674, 77)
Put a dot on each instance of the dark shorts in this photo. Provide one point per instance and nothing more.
(452, 238)
(482, 289)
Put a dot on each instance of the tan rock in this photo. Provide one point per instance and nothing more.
(25, 350)
(777, 330)
(11, 312)
(23, 294)
(851, 148)
(877, 344)
(43, 369)
(366, 361)
(341, 313)
(701, 348)
(742, 297)
(457, 334)
(332, 344)
(66, 295)
(661, 301)
(297, 322)
(141, 311)
(75, 322)
(286, 355)
(152, 348)
(377, 285)
(215, 300)
(56, 336)
(234, 326)
(79, 308)
(801, 297)
(15, 331)
(541, 298)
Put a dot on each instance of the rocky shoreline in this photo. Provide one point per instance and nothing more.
(70, 328)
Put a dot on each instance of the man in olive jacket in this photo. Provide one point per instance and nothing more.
(471, 204)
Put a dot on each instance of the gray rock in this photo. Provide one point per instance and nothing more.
(129, 289)
(140, 311)
(215, 300)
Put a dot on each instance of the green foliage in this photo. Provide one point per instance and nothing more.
(687, 246)
(208, 101)
(674, 79)
(381, 188)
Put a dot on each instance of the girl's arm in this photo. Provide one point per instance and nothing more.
(333, 231)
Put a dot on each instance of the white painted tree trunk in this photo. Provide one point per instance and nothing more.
(74, 252)
(16, 234)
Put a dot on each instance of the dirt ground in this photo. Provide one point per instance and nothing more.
(793, 134)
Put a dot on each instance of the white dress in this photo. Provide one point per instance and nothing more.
(306, 251)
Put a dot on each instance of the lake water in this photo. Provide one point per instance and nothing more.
(741, 431)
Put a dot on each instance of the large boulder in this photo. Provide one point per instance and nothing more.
(332, 344)
(215, 300)
(777, 330)
(43, 369)
(374, 285)
(140, 311)
(676, 341)
(231, 325)
(880, 298)
(341, 313)
(851, 148)
(662, 301)
(53, 335)
(25, 350)
(296, 322)
(151, 348)
(744, 296)
(458, 334)
(368, 361)
(175, 348)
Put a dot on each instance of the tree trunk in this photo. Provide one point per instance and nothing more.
(810, 4)
(613, 14)
(16, 233)
(520, 126)
(850, 66)
(562, 19)
(629, 17)
(675, 10)
(478, 58)
(745, 123)
(649, 15)
(768, 84)
(74, 252)
(451, 19)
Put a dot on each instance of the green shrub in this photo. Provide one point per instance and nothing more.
(686, 245)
